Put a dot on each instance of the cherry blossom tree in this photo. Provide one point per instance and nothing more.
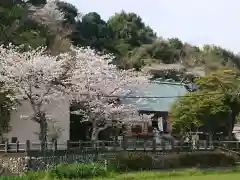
(33, 76)
(80, 75)
(100, 84)
(48, 15)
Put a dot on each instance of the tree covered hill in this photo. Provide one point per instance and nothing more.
(125, 35)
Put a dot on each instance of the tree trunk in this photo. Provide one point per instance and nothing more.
(43, 133)
(96, 131)
(51, 42)
(94, 137)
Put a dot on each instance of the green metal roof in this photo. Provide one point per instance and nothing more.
(157, 88)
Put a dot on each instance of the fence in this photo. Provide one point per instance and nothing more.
(127, 144)
(20, 157)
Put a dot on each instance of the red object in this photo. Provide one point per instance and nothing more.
(142, 134)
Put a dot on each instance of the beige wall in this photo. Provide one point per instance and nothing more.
(27, 129)
(236, 131)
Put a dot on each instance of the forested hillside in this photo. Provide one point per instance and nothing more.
(214, 107)
(134, 44)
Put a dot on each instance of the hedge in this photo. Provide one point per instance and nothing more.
(133, 161)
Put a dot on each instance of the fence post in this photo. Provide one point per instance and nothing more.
(205, 144)
(94, 145)
(144, 144)
(17, 146)
(55, 145)
(181, 145)
(172, 144)
(197, 145)
(154, 144)
(68, 145)
(125, 141)
(135, 143)
(103, 149)
(115, 145)
(163, 145)
(6, 147)
(27, 144)
(79, 144)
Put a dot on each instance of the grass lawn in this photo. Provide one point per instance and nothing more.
(210, 177)
(165, 176)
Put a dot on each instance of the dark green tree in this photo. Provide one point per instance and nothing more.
(130, 29)
(92, 31)
(214, 108)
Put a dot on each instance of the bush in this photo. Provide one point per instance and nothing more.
(72, 171)
(206, 159)
(132, 161)
(195, 159)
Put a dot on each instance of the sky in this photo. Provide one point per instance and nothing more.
(193, 21)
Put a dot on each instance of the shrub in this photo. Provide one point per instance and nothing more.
(167, 162)
(132, 161)
(206, 159)
(195, 159)
(72, 171)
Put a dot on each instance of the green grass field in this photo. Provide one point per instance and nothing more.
(209, 177)
(165, 176)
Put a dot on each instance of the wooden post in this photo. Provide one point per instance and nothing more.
(55, 145)
(181, 145)
(172, 144)
(68, 145)
(125, 143)
(27, 146)
(6, 147)
(79, 144)
(17, 146)
(135, 144)
(145, 144)
(163, 145)
(154, 144)
(103, 146)
(197, 145)
(205, 144)
(210, 141)
(115, 145)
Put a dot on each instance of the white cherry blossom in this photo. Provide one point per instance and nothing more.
(83, 75)
(48, 15)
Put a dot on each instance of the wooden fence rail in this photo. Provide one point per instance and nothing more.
(151, 145)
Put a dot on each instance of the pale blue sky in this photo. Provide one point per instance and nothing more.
(195, 21)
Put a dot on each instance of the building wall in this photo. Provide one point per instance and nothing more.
(25, 129)
(236, 131)
(160, 114)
